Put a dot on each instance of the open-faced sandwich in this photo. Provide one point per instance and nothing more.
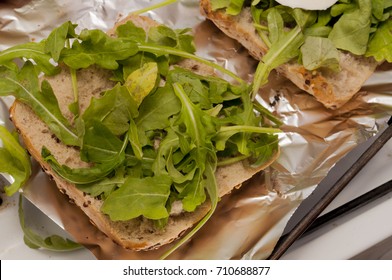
(327, 48)
(137, 131)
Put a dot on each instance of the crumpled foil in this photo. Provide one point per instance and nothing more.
(249, 221)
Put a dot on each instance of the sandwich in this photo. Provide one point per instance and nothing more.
(136, 130)
(326, 48)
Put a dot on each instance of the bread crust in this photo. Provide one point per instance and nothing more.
(135, 234)
(332, 89)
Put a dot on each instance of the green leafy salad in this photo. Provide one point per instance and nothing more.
(154, 138)
(361, 27)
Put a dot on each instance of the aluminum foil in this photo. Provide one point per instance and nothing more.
(248, 222)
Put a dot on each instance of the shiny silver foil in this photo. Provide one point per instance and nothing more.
(249, 221)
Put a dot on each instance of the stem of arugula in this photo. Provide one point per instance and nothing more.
(265, 67)
(173, 51)
(212, 189)
(224, 162)
(156, 6)
(75, 88)
(261, 30)
(247, 128)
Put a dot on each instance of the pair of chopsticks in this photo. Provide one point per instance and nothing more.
(311, 222)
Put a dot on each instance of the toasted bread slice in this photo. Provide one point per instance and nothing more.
(136, 234)
(332, 89)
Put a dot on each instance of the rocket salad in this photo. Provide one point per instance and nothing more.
(361, 27)
(154, 138)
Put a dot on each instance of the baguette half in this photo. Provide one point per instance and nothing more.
(332, 89)
(135, 234)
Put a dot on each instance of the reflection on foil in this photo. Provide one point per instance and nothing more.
(248, 222)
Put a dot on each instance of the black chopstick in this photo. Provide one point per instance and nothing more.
(286, 241)
(349, 207)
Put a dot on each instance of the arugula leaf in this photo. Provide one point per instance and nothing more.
(275, 26)
(55, 43)
(31, 50)
(177, 176)
(244, 118)
(96, 47)
(212, 189)
(235, 7)
(320, 52)
(14, 161)
(283, 50)
(10, 165)
(142, 81)
(304, 18)
(105, 186)
(226, 132)
(351, 31)
(79, 175)
(205, 90)
(56, 40)
(133, 135)
(88, 174)
(192, 192)
(263, 149)
(200, 130)
(378, 9)
(100, 145)
(131, 31)
(25, 87)
(156, 109)
(167, 145)
(220, 4)
(178, 39)
(380, 45)
(195, 86)
(134, 63)
(141, 197)
(341, 8)
(196, 126)
(114, 109)
(35, 241)
(163, 50)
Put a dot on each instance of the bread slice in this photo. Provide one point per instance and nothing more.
(136, 234)
(332, 89)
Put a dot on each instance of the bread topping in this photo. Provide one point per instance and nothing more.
(308, 4)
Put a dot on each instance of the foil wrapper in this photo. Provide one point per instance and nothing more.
(249, 221)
